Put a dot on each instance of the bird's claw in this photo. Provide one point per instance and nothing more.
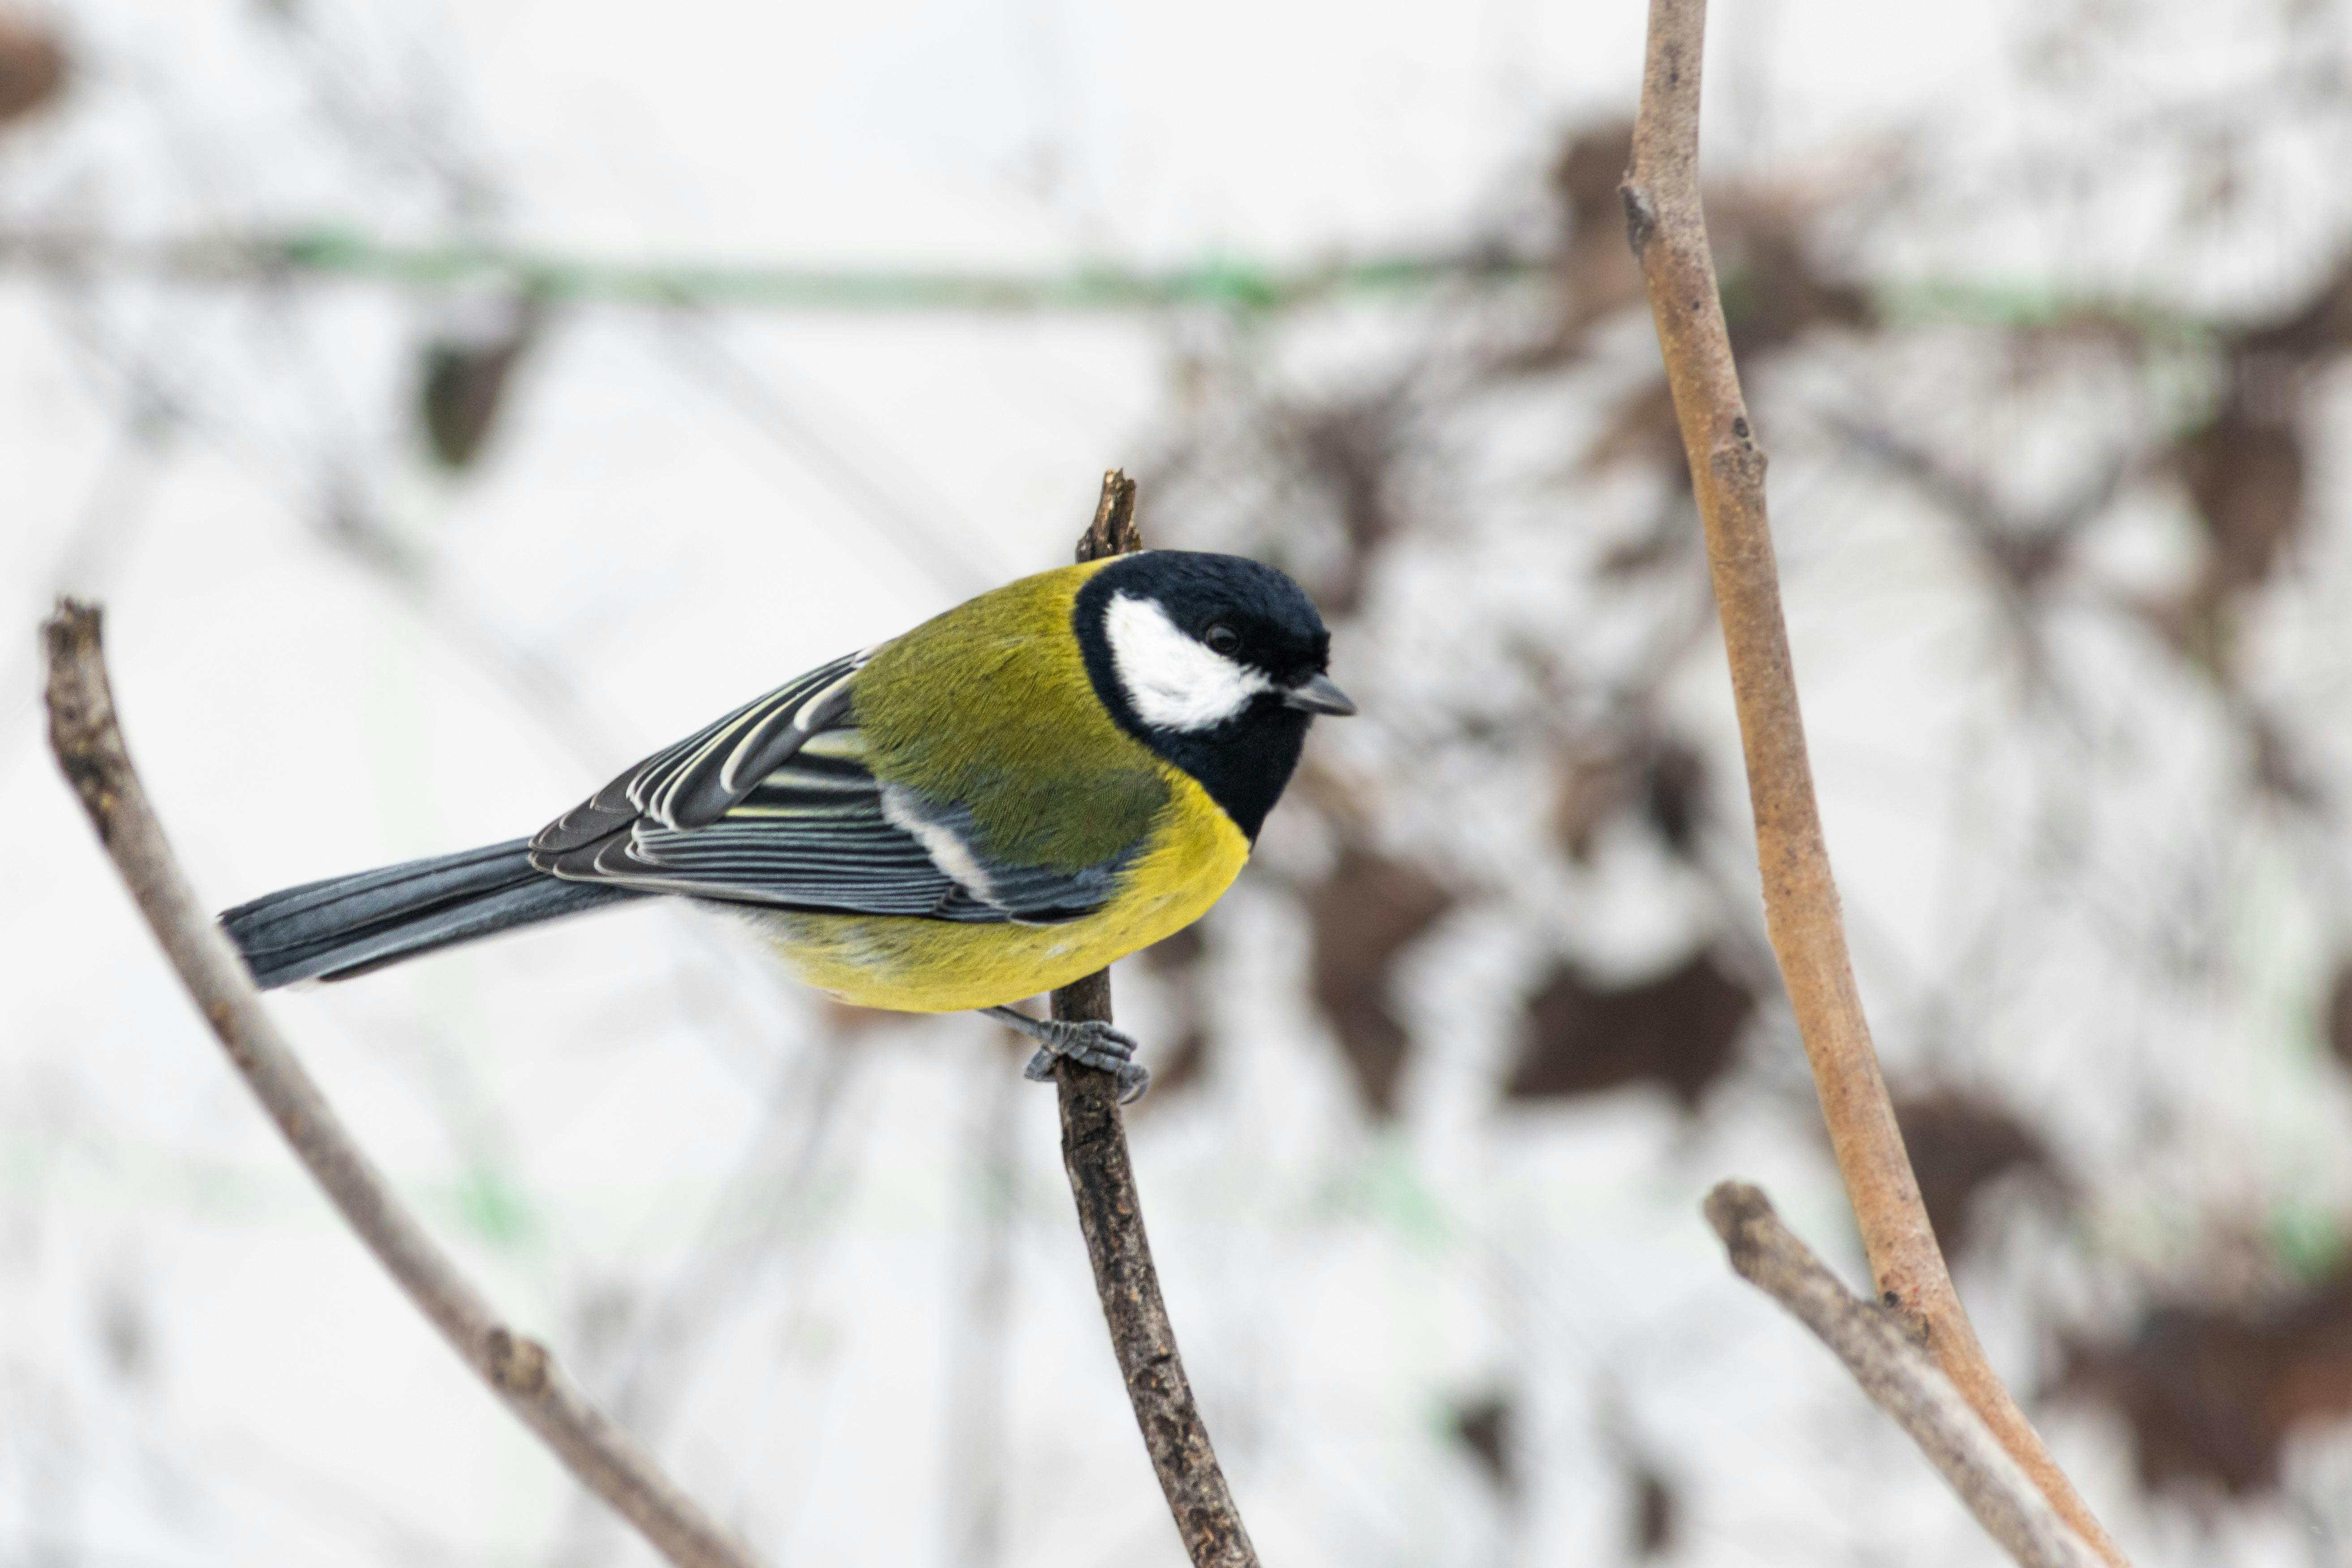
(1134, 1077)
(1086, 1042)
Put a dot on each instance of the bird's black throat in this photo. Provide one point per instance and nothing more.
(1244, 763)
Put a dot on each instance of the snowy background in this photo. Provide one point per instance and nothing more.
(452, 402)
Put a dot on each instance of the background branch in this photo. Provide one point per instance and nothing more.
(89, 749)
(1241, 284)
(1898, 1377)
(1668, 231)
(1102, 1179)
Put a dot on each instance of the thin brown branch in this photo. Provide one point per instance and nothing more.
(1800, 901)
(89, 749)
(1102, 1179)
(1899, 1379)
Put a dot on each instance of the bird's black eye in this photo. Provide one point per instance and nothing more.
(1222, 639)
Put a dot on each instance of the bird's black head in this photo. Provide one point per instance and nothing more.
(1214, 662)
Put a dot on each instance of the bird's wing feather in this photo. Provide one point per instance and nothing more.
(693, 782)
(801, 822)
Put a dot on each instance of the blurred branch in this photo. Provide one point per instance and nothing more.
(1668, 231)
(922, 526)
(2028, 307)
(1233, 283)
(1102, 1179)
(90, 750)
(1898, 1377)
(2018, 553)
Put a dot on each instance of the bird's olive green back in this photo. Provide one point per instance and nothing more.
(989, 707)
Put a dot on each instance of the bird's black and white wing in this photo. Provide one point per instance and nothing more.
(694, 782)
(774, 804)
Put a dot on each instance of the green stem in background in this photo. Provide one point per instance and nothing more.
(1241, 284)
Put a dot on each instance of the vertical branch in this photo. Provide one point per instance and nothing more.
(1800, 902)
(605, 1459)
(1102, 1179)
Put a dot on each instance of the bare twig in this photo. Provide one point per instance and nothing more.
(605, 1459)
(1094, 1150)
(1800, 902)
(1113, 531)
(1898, 1377)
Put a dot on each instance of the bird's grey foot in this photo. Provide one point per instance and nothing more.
(1086, 1043)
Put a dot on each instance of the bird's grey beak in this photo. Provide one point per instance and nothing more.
(1318, 695)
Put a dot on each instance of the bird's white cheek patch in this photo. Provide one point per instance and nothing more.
(1174, 682)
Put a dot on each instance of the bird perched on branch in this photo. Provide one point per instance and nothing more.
(1011, 795)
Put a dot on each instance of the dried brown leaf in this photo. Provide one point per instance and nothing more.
(32, 66)
(1774, 292)
(1661, 777)
(2212, 1393)
(1484, 1425)
(1674, 794)
(2340, 1014)
(1961, 1144)
(1593, 783)
(1656, 1511)
(2244, 472)
(1676, 1030)
(1348, 450)
(463, 387)
(2319, 327)
(1362, 917)
(1585, 174)
(1641, 432)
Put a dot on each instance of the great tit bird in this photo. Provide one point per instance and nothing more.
(1011, 795)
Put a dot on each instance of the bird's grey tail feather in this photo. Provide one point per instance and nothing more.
(348, 925)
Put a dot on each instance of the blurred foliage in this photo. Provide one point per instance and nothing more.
(1676, 1031)
(1363, 915)
(33, 65)
(496, 1208)
(464, 380)
(1656, 1514)
(1961, 1144)
(1659, 780)
(1483, 1426)
(2212, 1393)
(2336, 1026)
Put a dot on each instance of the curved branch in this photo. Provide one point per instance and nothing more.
(1898, 1377)
(1102, 1179)
(1800, 902)
(89, 749)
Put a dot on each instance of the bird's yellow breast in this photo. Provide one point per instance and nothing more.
(913, 965)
